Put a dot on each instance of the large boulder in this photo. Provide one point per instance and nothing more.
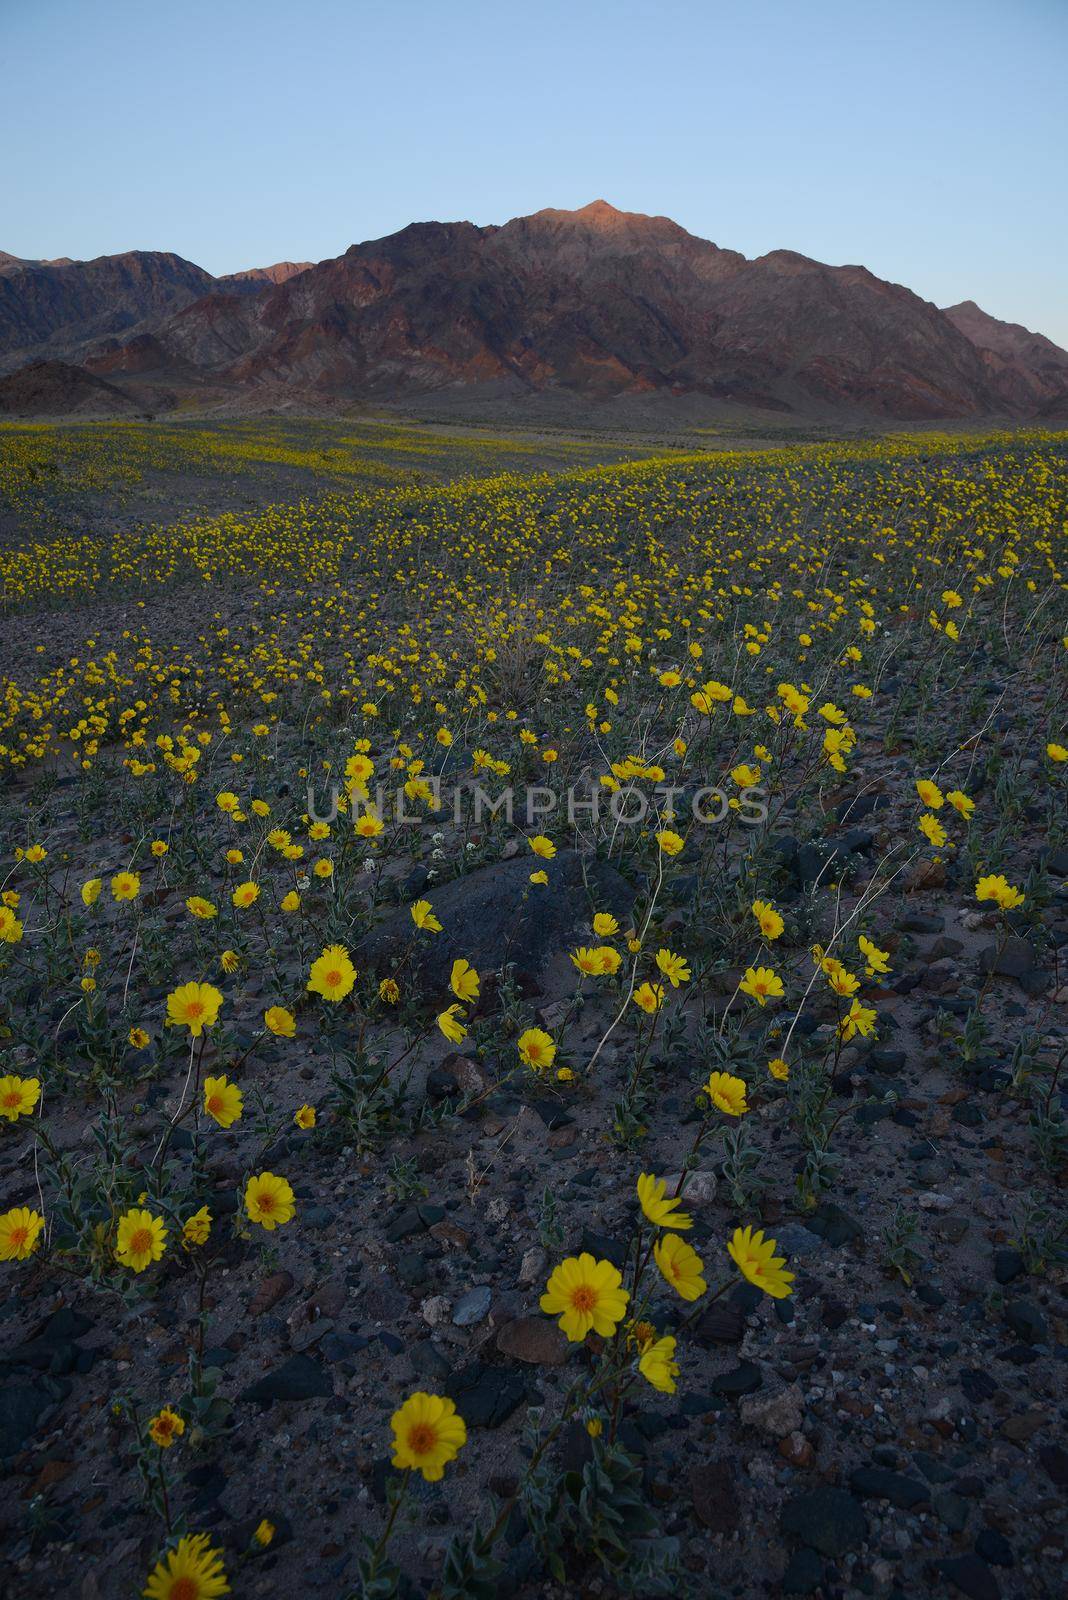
(495, 915)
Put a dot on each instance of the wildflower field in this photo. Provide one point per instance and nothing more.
(533, 1014)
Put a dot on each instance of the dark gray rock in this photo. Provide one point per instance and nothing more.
(834, 1225)
(877, 1483)
(977, 1384)
(861, 807)
(994, 1548)
(207, 1481)
(535, 1340)
(339, 1346)
(932, 1469)
(405, 1224)
(812, 864)
(428, 1361)
(217, 1355)
(492, 915)
(715, 1500)
(604, 1247)
(804, 1573)
(742, 1379)
(473, 1306)
(1054, 1459)
(412, 1270)
(299, 1378)
(1013, 960)
(416, 881)
(382, 1301)
(828, 1520)
(22, 1405)
(971, 1576)
(884, 1059)
(747, 1296)
(722, 1323)
(317, 1218)
(794, 1239)
(51, 1348)
(951, 1510)
(1026, 1321)
(486, 1396)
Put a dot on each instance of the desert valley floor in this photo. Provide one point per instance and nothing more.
(334, 1075)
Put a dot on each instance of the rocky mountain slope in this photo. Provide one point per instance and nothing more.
(58, 308)
(254, 277)
(597, 303)
(55, 388)
(1027, 361)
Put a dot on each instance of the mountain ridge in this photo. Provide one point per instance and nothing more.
(595, 302)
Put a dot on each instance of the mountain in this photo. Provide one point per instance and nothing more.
(281, 272)
(56, 389)
(597, 303)
(65, 308)
(10, 263)
(58, 308)
(1028, 362)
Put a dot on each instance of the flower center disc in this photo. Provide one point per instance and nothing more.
(422, 1439)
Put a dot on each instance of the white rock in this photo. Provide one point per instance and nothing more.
(700, 1187)
(436, 1309)
(774, 1414)
(532, 1265)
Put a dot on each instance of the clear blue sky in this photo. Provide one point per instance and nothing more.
(925, 138)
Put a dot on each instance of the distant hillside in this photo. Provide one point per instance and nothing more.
(58, 308)
(1031, 364)
(281, 272)
(595, 303)
(54, 388)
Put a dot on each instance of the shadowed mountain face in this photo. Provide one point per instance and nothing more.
(1029, 364)
(56, 389)
(255, 277)
(597, 302)
(60, 307)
